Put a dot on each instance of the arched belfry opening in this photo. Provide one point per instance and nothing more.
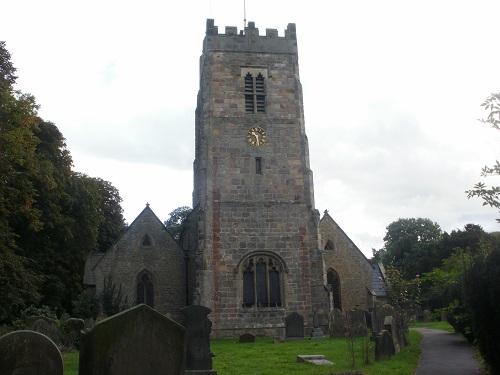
(333, 280)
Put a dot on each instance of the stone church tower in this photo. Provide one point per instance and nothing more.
(254, 243)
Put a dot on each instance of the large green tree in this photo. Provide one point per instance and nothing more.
(176, 219)
(410, 245)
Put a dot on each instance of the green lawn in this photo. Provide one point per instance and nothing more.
(445, 326)
(264, 357)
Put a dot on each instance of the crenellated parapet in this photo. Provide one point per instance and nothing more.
(249, 40)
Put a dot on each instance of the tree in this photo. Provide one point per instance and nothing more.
(176, 219)
(7, 70)
(490, 195)
(410, 244)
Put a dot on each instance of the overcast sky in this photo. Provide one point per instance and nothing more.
(392, 94)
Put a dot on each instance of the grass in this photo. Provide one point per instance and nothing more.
(445, 326)
(265, 358)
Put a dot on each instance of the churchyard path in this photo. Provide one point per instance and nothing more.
(445, 353)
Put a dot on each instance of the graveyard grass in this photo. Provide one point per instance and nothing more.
(265, 357)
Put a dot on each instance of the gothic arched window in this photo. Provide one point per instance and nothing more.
(146, 241)
(329, 245)
(261, 282)
(145, 290)
(333, 280)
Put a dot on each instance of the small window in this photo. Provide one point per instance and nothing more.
(255, 94)
(329, 246)
(258, 165)
(146, 241)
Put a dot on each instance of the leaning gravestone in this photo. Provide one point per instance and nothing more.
(392, 327)
(357, 323)
(384, 345)
(294, 326)
(28, 353)
(198, 327)
(399, 330)
(336, 324)
(139, 340)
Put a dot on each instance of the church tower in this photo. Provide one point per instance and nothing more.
(257, 257)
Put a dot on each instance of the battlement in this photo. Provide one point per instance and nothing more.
(249, 40)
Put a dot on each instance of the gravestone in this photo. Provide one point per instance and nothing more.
(356, 319)
(294, 327)
(139, 340)
(47, 328)
(317, 333)
(399, 330)
(427, 316)
(384, 345)
(28, 353)
(247, 337)
(89, 324)
(336, 324)
(198, 327)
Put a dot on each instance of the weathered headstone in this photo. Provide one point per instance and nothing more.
(198, 327)
(356, 320)
(139, 340)
(65, 316)
(388, 310)
(247, 337)
(336, 324)
(384, 345)
(46, 328)
(89, 324)
(294, 327)
(391, 326)
(29, 352)
(427, 315)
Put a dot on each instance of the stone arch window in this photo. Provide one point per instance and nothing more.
(262, 281)
(146, 241)
(329, 245)
(333, 280)
(145, 289)
(255, 89)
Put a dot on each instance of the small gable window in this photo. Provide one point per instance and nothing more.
(146, 241)
(329, 246)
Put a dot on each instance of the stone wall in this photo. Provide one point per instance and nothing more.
(163, 260)
(349, 262)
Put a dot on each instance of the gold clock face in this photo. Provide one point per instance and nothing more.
(256, 136)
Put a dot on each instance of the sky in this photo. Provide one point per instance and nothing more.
(392, 93)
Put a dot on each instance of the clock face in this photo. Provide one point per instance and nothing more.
(256, 136)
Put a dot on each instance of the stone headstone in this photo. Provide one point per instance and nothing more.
(317, 359)
(30, 320)
(198, 327)
(294, 326)
(28, 353)
(65, 316)
(317, 334)
(139, 340)
(89, 324)
(100, 316)
(384, 345)
(427, 315)
(45, 328)
(356, 319)
(392, 327)
(337, 325)
(388, 310)
(247, 337)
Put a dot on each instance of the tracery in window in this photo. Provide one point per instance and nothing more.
(255, 95)
(261, 282)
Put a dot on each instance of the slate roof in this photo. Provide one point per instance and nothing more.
(378, 280)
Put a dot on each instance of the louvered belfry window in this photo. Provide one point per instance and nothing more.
(255, 94)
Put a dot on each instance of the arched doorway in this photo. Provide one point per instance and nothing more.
(145, 291)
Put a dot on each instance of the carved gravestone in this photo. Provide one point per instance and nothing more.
(29, 352)
(336, 324)
(247, 337)
(198, 327)
(384, 345)
(356, 320)
(294, 327)
(139, 340)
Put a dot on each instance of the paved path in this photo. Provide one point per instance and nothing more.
(445, 353)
